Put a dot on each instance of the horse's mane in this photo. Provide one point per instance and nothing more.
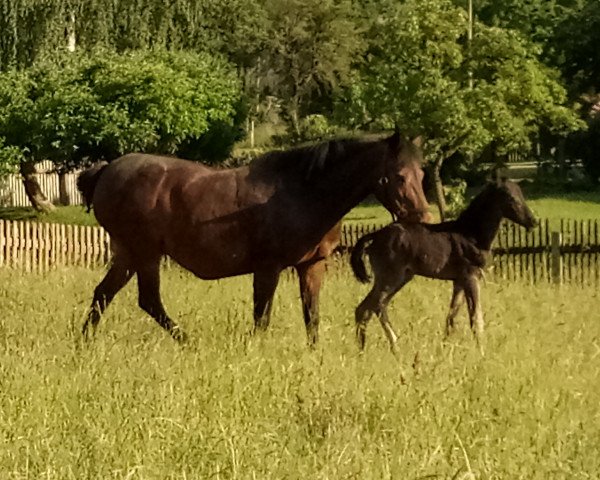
(309, 161)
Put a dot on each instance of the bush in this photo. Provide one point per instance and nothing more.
(80, 108)
(455, 195)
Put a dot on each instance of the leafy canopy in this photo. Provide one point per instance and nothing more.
(424, 76)
(84, 108)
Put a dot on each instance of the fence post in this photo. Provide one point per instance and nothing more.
(555, 257)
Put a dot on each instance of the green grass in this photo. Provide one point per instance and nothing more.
(133, 405)
(576, 205)
(74, 214)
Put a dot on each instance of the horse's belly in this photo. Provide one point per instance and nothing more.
(210, 268)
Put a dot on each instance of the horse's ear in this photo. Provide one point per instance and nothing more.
(395, 139)
(418, 141)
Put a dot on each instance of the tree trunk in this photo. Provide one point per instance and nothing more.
(32, 188)
(63, 194)
(293, 112)
(440, 199)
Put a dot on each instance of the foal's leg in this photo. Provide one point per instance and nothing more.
(265, 283)
(115, 279)
(376, 302)
(148, 275)
(472, 294)
(364, 312)
(455, 304)
(383, 315)
(311, 276)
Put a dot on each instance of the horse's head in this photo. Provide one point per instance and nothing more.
(400, 188)
(512, 203)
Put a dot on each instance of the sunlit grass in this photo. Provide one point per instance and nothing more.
(134, 405)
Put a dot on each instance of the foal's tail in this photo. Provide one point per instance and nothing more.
(86, 182)
(357, 258)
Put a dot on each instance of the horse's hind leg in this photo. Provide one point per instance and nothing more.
(148, 275)
(310, 276)
(265, 283)
(455, 304)
(115, 279)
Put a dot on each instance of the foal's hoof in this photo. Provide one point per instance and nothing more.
(179, 336)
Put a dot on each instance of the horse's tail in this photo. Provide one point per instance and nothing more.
(86, 182)
(357, 258)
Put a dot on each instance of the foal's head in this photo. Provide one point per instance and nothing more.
(400, 188)
(509, 198)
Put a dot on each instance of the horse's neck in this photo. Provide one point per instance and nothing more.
(481, 224)
(333, 195)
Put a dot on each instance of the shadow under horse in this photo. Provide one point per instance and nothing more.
(454, 250)
(283, 209)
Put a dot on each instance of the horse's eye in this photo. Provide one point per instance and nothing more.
(400, 178)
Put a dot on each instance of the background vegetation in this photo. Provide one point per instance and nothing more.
(513, 80)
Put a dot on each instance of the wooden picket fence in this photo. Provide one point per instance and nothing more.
(12, 191)
(568, 251)
(39, 247)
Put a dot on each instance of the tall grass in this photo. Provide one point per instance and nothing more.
(133, 405)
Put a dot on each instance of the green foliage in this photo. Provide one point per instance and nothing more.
(310, 49)
(316, 128)
(424, 76)
(456, 200)
(10, 157)
(586, 147)
(30, 29)
(576, 46)
(83, 108)
(133, 404)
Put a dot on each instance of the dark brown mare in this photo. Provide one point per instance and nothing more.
(454, 250)
(284, 209)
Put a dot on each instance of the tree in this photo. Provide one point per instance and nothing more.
(81, 109)
(311, 48)
(577, 39)
(425, 77)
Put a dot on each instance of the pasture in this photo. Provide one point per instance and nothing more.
(134, 405)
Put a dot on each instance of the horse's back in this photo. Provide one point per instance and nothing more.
(412, 246)
(136, 188)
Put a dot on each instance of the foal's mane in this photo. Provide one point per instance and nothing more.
(478, 207)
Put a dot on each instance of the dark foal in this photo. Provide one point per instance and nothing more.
(454, 250)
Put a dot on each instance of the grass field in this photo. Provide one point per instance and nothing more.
(133, 405)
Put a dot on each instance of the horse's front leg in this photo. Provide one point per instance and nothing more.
(311, 276)
(265, 283)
